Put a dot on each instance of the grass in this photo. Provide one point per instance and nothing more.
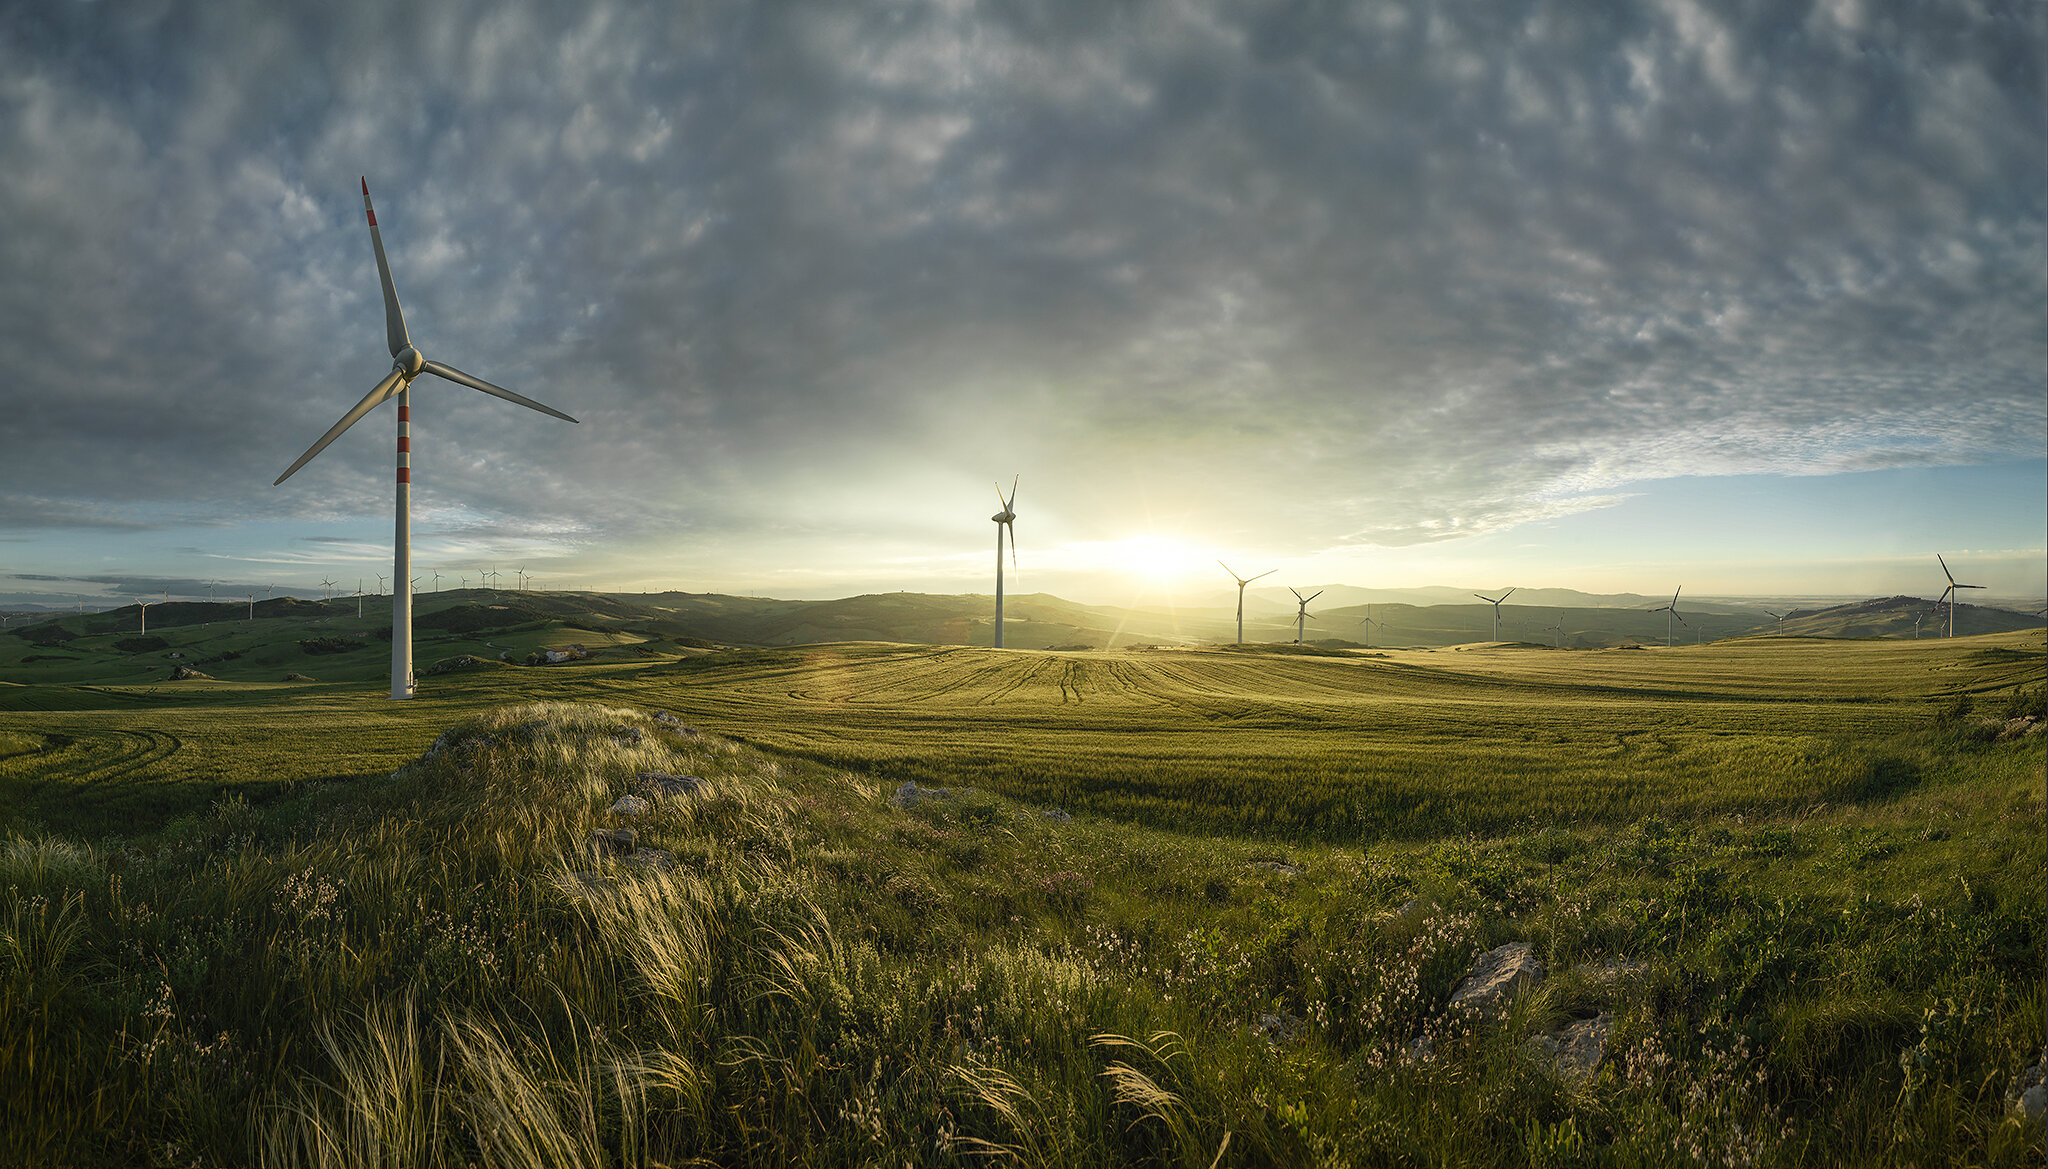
(305, 926)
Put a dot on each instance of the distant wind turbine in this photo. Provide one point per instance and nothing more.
(1241, 582)
(144, 607)
(1006, 518)
(1301, 618)
(1670, 611)
(1917, 619)
(359, 598)
(1781, 621)
(1369, 624)
(1496, 609)
(1949, 594)
(1558, 629)
(252, 606)
(437, 582)
(407, 364)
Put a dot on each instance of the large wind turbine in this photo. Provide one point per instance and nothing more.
(1949, 594)
(407, 364)
(1301, 618)
(1496, 610)
(1006, 518)
(1781, 621)
(1241, 582)
(1670, 611)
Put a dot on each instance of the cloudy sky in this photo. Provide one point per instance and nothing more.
(1613, 296)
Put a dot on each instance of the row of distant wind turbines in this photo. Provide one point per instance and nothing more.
(408, 363)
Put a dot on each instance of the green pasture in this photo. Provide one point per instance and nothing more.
(303, 925)
(1341, 746)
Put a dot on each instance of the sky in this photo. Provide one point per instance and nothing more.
(1749, 297)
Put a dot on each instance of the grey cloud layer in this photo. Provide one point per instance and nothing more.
(1456, 270)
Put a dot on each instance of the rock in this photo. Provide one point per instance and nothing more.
(626, 736)
(1577, 1048)
(1057, 816)
(613, 841)
(629, 806)
(666, 719)
(661, 784)
(2017, 728)
(1277, 1028)
(2027, 1099)
(1500, 974)
(299, 678)
(653, 860)
(181, 673)
(1281, 867)
(910, 795)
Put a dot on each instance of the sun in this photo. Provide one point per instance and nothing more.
(1156, 563)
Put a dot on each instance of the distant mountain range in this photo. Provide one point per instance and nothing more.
(1547, 617)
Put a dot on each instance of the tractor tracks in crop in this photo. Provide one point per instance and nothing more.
(99, 758)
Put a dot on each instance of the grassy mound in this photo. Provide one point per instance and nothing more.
(432, 969)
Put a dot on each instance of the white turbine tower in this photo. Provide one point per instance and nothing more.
(1006, 518)
(1949, 594)
(1496, 610)
(407, 364)
(144, 607)
(1370, 624)
(1241, 582)
(1670, 611)
(1301, 617)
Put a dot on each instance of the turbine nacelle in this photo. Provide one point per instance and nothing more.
(409, 361)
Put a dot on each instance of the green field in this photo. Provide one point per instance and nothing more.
(1821, 855)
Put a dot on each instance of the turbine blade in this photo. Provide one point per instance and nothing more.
(1012, 525)
(1268, 572)
(386, 389)
(1011, 502)
(1944, 569)
(1504, 596)
(1233, 575)
(1312, 596)
(476, 383)
(394, 317)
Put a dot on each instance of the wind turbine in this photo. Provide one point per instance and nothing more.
(1301, 618)
(252, 606)
(437, 582)
(144, 607)
(1558, 629)
(1917, 619)
(359, 598)
(1671, 610)
(380, 583)
(1496, 610)
(1781, 621)
(1369, 624)
(1949, 594)
(328, 585)
(1241, 582)
(407, 364)
(1006, 518)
